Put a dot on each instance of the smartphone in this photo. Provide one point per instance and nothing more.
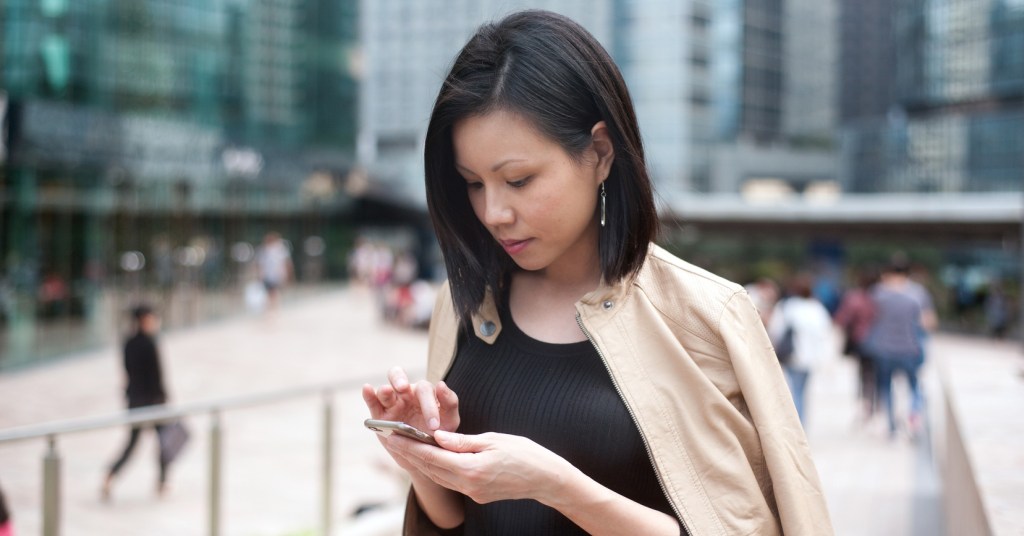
(386, 428)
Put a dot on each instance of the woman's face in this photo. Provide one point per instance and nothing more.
(536, 201)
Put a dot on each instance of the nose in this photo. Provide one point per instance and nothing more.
(497, 210)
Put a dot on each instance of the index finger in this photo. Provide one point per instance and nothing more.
(398, 379)
(428, 405)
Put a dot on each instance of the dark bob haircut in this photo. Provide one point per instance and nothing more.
(549, 70)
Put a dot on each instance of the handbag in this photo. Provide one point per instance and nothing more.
(173, 438)
(784, 348)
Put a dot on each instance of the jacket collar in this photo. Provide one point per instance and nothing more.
(599, 302)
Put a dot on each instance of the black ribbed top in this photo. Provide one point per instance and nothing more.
(562, 397)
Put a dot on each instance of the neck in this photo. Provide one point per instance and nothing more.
(572, 278)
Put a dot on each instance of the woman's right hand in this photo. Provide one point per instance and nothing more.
(424, 405)
(428, 407)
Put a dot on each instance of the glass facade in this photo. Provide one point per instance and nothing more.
(955, 120)
(149, 144)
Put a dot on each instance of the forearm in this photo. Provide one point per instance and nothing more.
(442, 505)
(602, 512)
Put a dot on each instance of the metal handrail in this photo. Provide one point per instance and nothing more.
(155, 414)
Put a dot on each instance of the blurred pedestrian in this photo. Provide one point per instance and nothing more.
(896, 339)
(997, 310)
(145, 387)
(597, 383)
(812, 336)
(764, 293)
(360, 262)
(855, 316)
(274, 262)
(6, 525)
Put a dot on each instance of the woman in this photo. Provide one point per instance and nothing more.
(615, 388)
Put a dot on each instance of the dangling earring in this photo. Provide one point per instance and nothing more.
(604, 202)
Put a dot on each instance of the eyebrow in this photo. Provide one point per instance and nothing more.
(494, 168)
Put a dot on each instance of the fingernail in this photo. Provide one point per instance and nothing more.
(434, 423)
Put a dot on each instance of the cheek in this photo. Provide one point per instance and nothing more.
(476, 202)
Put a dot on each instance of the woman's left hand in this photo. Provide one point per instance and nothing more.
(487, 467)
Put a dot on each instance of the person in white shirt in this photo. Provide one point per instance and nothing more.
(275, 265)
(812, 336)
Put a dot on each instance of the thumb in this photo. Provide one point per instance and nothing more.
(459, 442)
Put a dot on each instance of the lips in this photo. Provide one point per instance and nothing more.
(513, 247)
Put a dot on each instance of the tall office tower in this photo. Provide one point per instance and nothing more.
(652, 43)
(407, 47)
(273, 69)
(955, 121)
(761, 96)
(291, 76)
(810, 71)
(867, 58)
(867, 89)
(771, 70)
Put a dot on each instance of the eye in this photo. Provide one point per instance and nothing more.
(473, 186)
(521, 182)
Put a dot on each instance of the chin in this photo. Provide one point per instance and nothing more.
(527, 266)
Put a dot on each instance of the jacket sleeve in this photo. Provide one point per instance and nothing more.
(795, 484)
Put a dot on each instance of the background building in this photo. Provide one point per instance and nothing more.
(148, 143)
(947, 112)
(407, 48)
(706, 78)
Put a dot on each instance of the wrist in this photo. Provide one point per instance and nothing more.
(565, 486)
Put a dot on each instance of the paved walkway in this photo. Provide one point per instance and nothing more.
(874, 485)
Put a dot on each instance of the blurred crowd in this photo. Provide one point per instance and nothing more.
(403, 296)
(883, 317)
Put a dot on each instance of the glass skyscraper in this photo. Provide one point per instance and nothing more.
(948, 112)
(146, 143)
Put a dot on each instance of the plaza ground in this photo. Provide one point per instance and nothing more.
(874, 484)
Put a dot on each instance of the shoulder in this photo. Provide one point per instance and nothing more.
(687, 295)
(679, 279)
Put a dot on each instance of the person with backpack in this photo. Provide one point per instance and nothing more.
(801, 330)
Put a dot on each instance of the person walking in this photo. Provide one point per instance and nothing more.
(6, 525)
(855, 317)
(580, 379)
(812, 336)
(274, 263)
(145, 387)
(896, 340)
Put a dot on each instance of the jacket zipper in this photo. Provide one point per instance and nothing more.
(643, 437)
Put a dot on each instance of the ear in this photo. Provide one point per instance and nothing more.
(603, 148)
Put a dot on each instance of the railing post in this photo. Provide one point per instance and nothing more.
(328, 465)
(215, 473)
(51, 489)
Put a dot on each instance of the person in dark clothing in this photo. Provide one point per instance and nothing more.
(6, 526)
(145, 386)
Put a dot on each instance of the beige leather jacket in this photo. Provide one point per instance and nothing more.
(691, 360)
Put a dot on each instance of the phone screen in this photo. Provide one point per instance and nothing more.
(387, 428)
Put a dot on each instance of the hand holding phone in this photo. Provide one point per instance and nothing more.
(386, 428)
